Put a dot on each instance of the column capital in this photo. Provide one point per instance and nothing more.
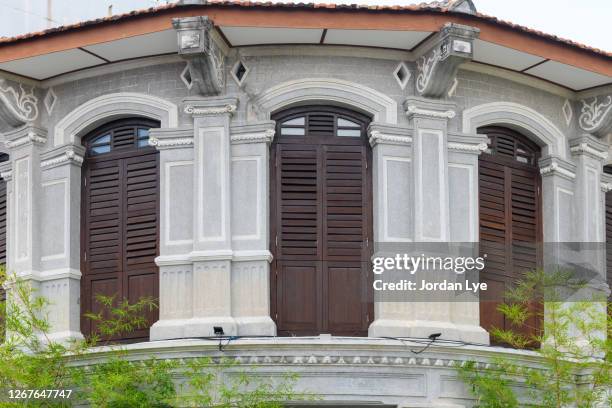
(441, 56)
(596, 115)
(429, 108)
(466, 143)
(259, 132)
(606, 182)
(589, 146)
(67, 154)
(556, 166)
(379, 133)
(6, 171)
(27, 135)
(171, 138)
(210, 106)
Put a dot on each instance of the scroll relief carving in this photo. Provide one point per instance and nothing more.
(596, 115)
(18, 104)
(438, 66)
(205, 57)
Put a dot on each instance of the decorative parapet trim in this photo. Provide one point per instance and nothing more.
(17, 106)
(596, 115)
(555, 166)
(379, 133)
(24, 136)
(440, 59)
(69, 154)
(210, 107)
(260, 132)
(205, 57)
(429, 108)
(589, 146)
(175, 138)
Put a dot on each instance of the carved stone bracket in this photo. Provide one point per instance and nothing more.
(438, 65)
(596, 115)
(200, 46)
(18, 104)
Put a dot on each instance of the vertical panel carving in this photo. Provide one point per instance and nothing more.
(55, 219)
(22, 206)
(397, 199)
(246, 197)
(213, 189)
(431, 217)
(461, 193)
(178, 198)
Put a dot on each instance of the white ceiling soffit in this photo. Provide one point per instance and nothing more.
(256, 35)
(162, 42)
(567, 75)
(501, 56)
(48, 65)
(405, 40)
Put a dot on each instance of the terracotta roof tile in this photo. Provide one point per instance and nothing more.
(434, 6)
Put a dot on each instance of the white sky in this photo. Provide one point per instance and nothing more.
(585, 21)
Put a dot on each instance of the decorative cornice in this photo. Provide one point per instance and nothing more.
(171, 138)
(17, 106)
(412, 110)
(210, 110)
(379, 133)
(589, 146)
(175, 142)
(467, 147)
(64, 154)
(262, 137)
(26, 135)
(552, 165)
(596, 116)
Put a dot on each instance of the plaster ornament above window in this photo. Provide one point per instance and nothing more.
(239, 72)
(17, 106)
(437, 67)
(186, 77)
(205, 58)
(596, 115)
(49, 101)
(568, 112)
(402, 75)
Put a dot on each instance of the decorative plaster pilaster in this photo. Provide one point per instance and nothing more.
(596, 115)
(440, 59)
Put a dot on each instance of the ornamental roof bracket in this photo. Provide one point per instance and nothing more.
(440, 59)
(18, 104)
(596, 115)
(201, 46)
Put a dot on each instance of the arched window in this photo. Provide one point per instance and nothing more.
(120, 213)
(321, 222)
(510, 217)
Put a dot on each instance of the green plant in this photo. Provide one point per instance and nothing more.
(574, 364)
(103, 374)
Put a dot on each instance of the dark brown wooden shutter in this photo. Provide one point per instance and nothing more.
(510, 218)
(120, 218)
(608, 169)
(3, 235)
(321, 221)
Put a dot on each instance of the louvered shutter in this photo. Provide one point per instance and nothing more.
(120, 219)
(510, 220)
(2, 244)
(608, 169)
(321, 220)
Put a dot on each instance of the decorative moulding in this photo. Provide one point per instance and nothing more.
(67, 154)
(596, 115)
(379, 133)
(606, 182)
(26, 135)
(440, 59)
(50, 100)
(210, 107)
(173, 138)
(428, 108)
(205, 57)
(6, 171)
(589, 146)
(568, 112)
(467, 143)
(260, 132)
(556, 166)
(18, 106)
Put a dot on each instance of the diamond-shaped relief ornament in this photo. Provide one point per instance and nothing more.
(50, 100)
(568, 112)
(186, 77)
(402, 75)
